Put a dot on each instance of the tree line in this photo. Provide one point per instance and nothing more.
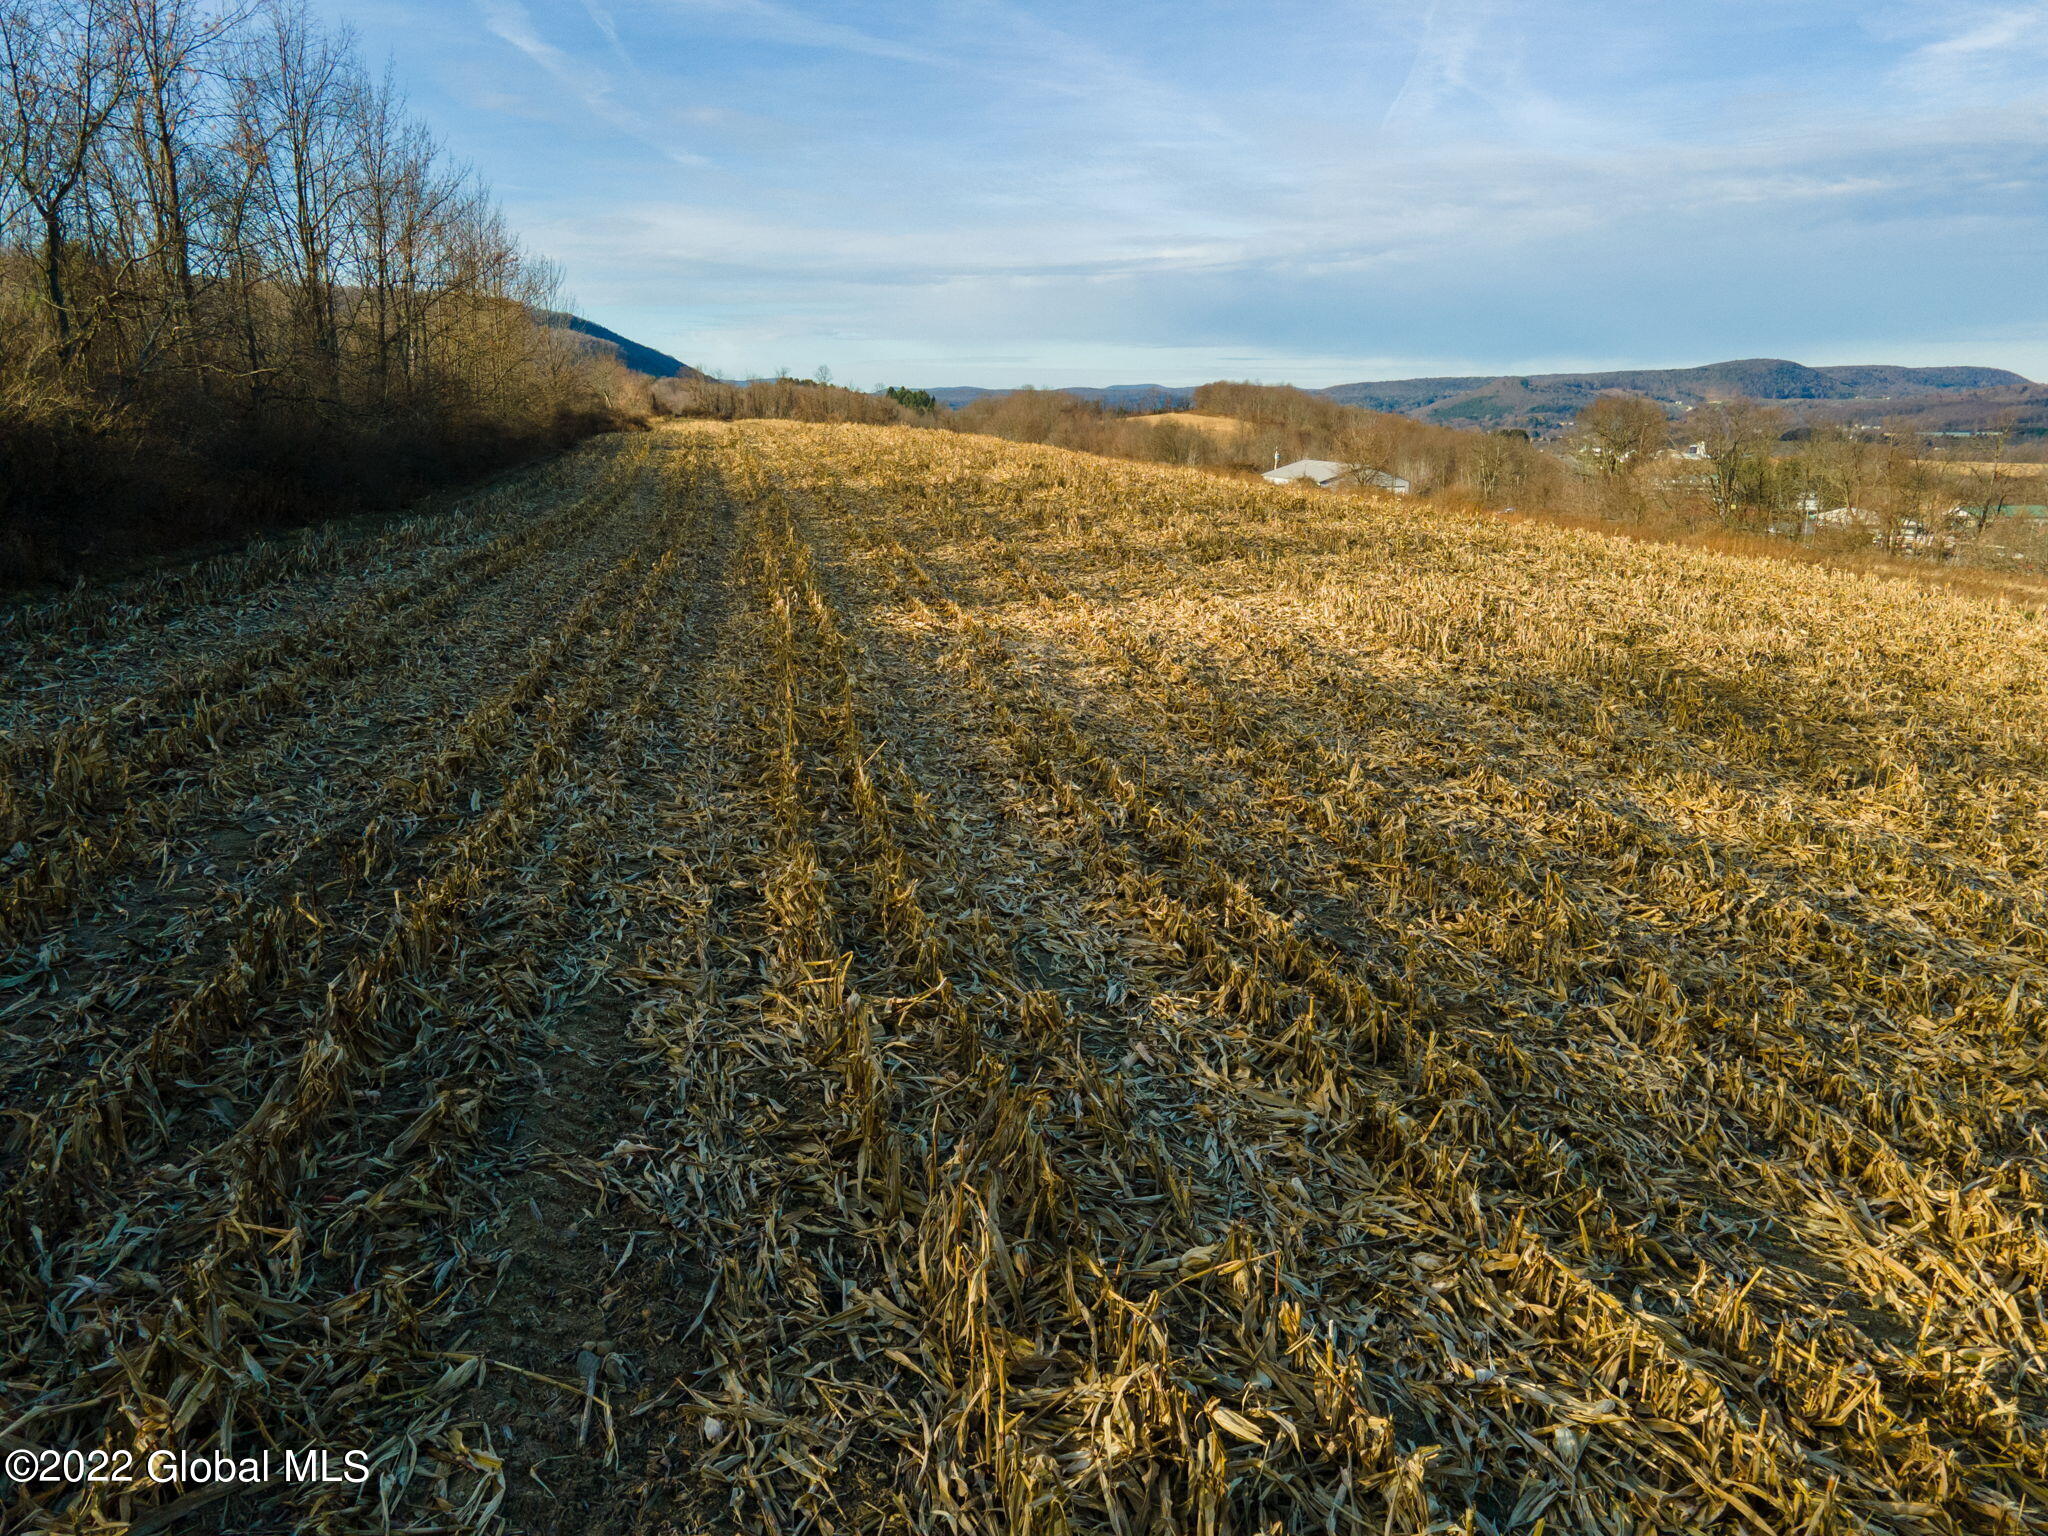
(1624, 458)
(1750, 470)
(783, 398)
(1250, 427)
(241, 284)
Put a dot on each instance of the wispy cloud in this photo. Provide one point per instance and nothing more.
(1488, 182)
(602, 20)
(793, 27)
(511, 22)
(1465, 51)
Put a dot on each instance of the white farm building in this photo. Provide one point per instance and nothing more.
(1331, 475)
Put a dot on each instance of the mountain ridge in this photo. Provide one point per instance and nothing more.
(1544, 400)
(635, 355)
(1122, 397)
(1548, 400)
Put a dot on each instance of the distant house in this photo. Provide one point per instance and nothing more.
(1324, 472)
(1380, 480)
(1894, 533)
(1331, 475)
(1694, 451)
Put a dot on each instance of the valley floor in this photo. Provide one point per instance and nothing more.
(782, 978)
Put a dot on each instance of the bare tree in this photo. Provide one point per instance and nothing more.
(1749, 485)
(1991, 484)
(64, 73)
(221, 237)
(1621, 433)
(306, 83)
(1842, 475)
(175, 47)
(1913, 507)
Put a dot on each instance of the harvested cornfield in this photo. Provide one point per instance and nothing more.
(808, 979)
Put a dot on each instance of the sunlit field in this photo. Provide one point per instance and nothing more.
(831, 979)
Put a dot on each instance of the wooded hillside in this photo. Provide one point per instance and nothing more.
(241, 286)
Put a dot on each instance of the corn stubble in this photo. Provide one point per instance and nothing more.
(1146, 1004)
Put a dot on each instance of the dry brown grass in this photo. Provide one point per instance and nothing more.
(1199, 421)
(1988, 467)
(2025, 589)
(910, 983)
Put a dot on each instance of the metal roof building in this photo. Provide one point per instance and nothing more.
(1329, 474)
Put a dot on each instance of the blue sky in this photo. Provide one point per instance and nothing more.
(1073, 192)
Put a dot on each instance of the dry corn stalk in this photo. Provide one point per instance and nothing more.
(1161, 1006)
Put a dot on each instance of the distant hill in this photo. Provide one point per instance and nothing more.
(639, 358)
(1550, 399)
(2022, 408)
(1961, 396)
(1118, 397)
